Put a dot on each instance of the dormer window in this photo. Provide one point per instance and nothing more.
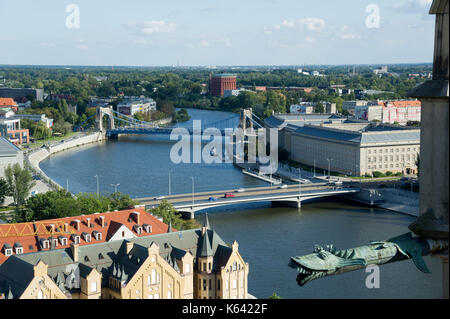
(8, 250)
(137, 229)
(97, 235)
(63, 240)
(45, 243)
(55, 242)
(147, 228)
(76, 239)
(87, 237)
(18, 248)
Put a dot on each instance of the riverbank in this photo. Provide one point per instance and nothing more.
(33, 158)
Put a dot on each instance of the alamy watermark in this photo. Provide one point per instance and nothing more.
(234, 147)
(73, 19)
(373, 280)
(373, 19)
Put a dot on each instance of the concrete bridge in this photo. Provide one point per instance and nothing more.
(292, 195)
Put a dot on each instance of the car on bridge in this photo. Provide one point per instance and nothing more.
(283, 186)
(159, 197)
(228, 195)
(240, 190)
(212, 199)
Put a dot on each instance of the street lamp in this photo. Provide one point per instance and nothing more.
(96, 176)
(115, 187)
(192, 177)
(169, 182)
(314, 168)
(300, 187)
(329, 174)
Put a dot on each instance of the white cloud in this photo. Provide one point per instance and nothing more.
(413, 6)
(310, 39)
(83, 47)
(225, 41)
(158, 27)
(310, 24)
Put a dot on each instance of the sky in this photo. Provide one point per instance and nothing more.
(215, 33)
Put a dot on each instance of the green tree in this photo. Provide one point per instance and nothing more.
(20, 183)
(275, 296)
(168, 213)
(4, 190)
(318, 108)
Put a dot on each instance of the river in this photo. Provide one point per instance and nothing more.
(267, 235)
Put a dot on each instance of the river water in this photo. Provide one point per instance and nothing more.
(267, 235)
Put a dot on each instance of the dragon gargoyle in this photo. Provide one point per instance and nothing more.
(326, 261)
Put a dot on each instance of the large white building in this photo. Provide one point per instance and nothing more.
(10, 154)
(349, 146)
(132, 105)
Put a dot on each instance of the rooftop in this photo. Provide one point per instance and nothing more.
(115, 225)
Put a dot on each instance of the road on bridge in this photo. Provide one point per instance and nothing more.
(249, 192)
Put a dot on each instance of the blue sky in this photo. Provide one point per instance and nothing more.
(212, 32)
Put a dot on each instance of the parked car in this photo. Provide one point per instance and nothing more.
(212, 199)
(228, 195)
(36, 178)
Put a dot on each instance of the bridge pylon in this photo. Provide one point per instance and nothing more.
(246, 121)
(101, 111)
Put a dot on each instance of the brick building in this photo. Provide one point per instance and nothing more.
(221, 82)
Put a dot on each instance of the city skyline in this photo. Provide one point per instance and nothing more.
(270, 32)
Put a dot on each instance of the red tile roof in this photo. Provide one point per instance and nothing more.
(30, 234)
(7, 101)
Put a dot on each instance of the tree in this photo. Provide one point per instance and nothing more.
(170, 216)
(4, 190)
(275, 296)
(318, 108)
(20, 183)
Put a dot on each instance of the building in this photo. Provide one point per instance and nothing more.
(381, 70)
(10, 129)
(35, 118)
(350, 106)
(16, 93)
(354, 148)
(330, 108)
(80, 230)
(369, 112)
(8, 103)
(10, 154)
(227, 93)
(132, 105)
(221, 82)
(401, 111)
(303, 108)
(174, 265)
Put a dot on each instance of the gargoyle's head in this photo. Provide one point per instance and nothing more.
(321, 263)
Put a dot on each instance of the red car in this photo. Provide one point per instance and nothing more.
(228, 195)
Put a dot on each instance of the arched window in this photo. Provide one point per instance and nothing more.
(169, 295)
(40, 294)
(153, 276)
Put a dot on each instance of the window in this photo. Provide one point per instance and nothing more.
(76, 239)
(204, 266)
(234, 283)
(40, 294)
(94, 286)
(187, 268)
(234, 266)
(204, 284)
(150, 297)
(8, 252)
(242, 282)
(210, 285)
(169, 295)
(123, 234)
(19, 250)
(226, 284)
(209, 266)
(63, 240)
(156, 296)
(153, 278)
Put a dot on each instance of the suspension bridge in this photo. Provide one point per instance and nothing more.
(119, 124)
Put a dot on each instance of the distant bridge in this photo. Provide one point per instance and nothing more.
(292, 195)
(119, 123)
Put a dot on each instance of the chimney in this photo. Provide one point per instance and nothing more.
(102, 221)
(129, 246)
(88, 222)
(74, 249)
(77, 224)
(66, 227)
